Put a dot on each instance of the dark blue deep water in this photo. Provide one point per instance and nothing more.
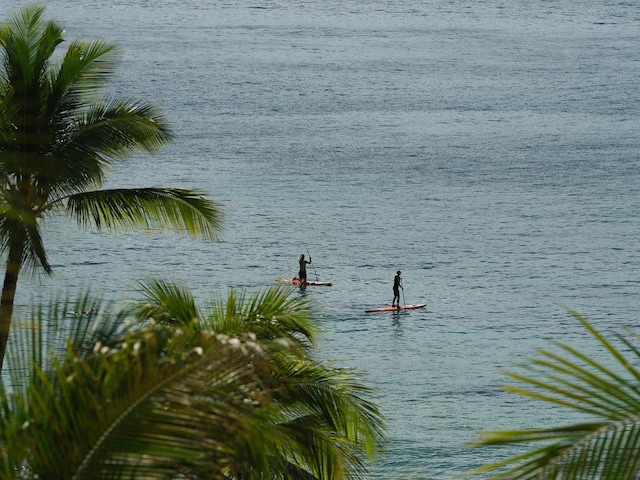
(488, 149)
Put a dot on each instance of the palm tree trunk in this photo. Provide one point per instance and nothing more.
(14, 262)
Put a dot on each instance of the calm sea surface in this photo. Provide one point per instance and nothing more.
(488, 149)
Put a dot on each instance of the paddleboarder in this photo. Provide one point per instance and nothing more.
(302, 273)
(397, 285)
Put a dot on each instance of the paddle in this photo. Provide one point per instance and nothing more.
(314, 267)
(403, 300)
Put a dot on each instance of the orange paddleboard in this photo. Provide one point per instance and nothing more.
(395, 309)
(310, 283)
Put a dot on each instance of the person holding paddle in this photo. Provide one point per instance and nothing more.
(397, 285)
(302, 273)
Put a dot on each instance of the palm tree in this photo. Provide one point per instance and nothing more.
(118, 398)
(59, 133)
(328, 425)
(607, 444)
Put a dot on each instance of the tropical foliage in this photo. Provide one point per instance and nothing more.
(162, 388)
(59, 133)
(606, 392)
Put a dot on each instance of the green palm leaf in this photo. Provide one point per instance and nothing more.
(19, 226)
(112, 128)
(167, 303)
(607, 448)
(89, 140)
(85, 69)
(328, 403)
(179, 209)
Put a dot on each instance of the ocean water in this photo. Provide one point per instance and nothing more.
(487, 149)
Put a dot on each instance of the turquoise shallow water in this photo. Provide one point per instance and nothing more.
(489, 150)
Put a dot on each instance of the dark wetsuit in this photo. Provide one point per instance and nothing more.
(397, 284)
(302, 273)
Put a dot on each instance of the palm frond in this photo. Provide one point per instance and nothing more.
(268, 313)
(84, 71)
(63, 324)
(118, 126)
(27, 44)
(166, 303)
(606, 448)
(335, 396)
(179, 209)
(19, 227)
(34, 252)
(88, 140)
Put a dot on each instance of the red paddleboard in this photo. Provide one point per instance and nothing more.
(310, 283)
(395, 309)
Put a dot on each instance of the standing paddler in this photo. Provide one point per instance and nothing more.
(397, 285)
(302, 273)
